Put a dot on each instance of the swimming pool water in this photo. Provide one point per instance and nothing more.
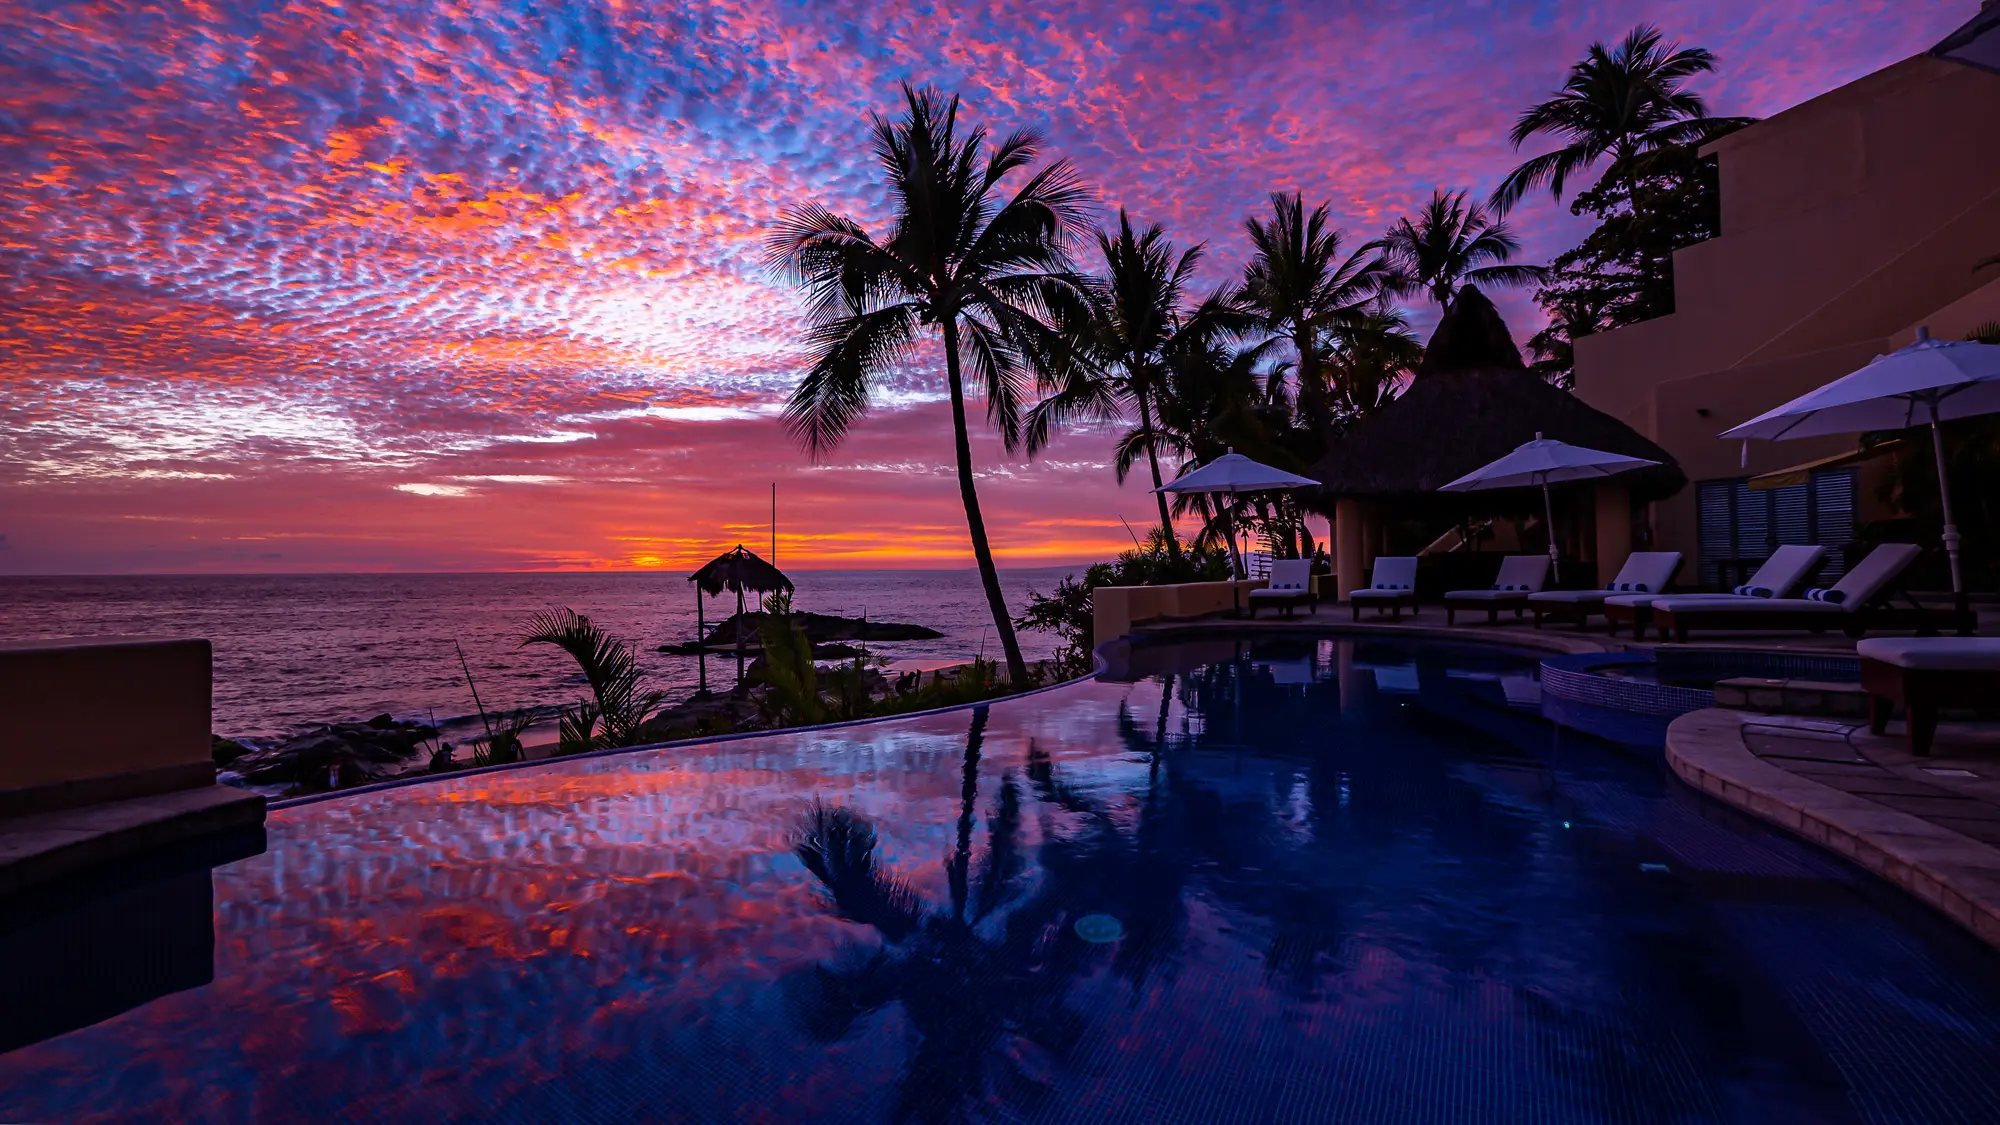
(1324, 881)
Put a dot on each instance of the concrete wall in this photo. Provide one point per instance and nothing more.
(1846, 222)
(1116, 609)
(130, 711)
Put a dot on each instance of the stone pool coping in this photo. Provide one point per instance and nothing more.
(1492, 637)
(1956, 874)
(45, 847)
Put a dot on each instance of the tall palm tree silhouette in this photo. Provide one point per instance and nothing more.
(991, 276)
(1448, 243)
(1625, 102)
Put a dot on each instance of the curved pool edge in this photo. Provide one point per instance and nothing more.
(676, 744)
(1536, 640)
(1955, 874)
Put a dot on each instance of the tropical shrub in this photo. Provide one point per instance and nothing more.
(610, 667)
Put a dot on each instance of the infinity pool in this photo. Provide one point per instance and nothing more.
(1315, 881)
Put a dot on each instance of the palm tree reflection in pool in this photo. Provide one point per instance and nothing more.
(985, 979)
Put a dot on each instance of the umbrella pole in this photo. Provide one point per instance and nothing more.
(700, 642)
(1950, 525)
(739, 634)
(1549, 517)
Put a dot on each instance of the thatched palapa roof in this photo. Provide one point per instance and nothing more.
(742, 570)
(1471, 402)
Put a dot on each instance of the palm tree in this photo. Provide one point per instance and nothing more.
(1623, 102)
(1301, 289)
(1373, 358)
(1450, 242)
(610, 668)
(1137, 325)
(990, 275)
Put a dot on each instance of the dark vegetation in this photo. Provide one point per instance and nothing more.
(1277, 365)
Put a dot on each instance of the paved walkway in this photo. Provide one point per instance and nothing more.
(1929, 825)
(1957, 787)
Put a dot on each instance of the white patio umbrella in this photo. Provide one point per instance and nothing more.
(1233, 474)
(1930, 381)
(1544, 462)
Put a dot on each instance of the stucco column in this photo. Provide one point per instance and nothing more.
(1347, 520)
(1614, 529)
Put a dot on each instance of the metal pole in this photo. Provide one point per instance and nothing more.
(1950, 525)
(739, 631)
(774, 523)
(1549, 514)
(700, 641)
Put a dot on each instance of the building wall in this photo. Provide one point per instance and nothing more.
(89, 711)
(1846, 222)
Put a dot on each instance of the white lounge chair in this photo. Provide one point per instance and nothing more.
(1290, 584)
(1782, 573)
(1924, 674)
(1392, 586)
(1850, 605)
(1644, 572)
(1520, 575)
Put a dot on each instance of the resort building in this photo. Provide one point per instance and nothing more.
(1848, 222)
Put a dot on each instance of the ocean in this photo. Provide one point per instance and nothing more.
(294, 650)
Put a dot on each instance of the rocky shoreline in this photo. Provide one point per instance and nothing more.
(327, 756)
(332, 756)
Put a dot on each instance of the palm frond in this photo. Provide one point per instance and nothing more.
(851, 352)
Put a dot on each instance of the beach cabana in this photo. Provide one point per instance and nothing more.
(1472, 402)
(739, 569)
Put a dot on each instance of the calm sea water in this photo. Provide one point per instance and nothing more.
(291, 650)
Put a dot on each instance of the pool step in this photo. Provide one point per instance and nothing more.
(1792, 697)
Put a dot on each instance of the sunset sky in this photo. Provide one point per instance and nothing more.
(294, 285)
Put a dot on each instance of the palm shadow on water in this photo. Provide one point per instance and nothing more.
(985, 979)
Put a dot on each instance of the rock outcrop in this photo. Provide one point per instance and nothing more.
(821, 629)
(335, 756)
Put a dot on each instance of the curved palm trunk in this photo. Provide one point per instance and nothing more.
(1153, 459)
(975, 524)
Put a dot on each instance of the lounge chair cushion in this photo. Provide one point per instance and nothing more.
(1285, 595)
(1568, 597)
(1857, 589)
(1645, 572)
(1291, 576)
(1788, 566)
(1371, 593)
(1945, 654)
(1872, 575)
(1487, 595)
(1519, 575)
(1669, 599)
(1725, 603)
(1394, 573)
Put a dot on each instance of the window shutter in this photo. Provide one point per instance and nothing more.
(1715, 511)
(1833, 516)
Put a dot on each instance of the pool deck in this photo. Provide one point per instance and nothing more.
(1929, 825)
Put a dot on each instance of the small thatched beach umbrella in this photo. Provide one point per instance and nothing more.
(739, 570)
(1472, 402)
